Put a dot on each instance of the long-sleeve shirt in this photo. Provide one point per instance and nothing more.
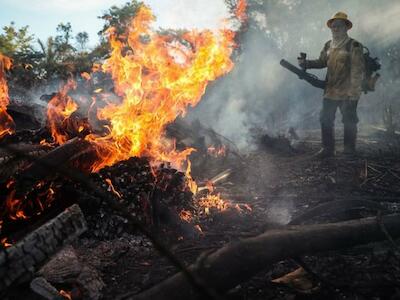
(346, 70)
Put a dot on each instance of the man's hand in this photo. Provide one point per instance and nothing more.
(302, 61)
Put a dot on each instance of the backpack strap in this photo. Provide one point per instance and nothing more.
(349, 44)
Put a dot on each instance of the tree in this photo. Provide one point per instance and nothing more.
(119, 17)
(49, 61)
(63, 40)
(82, 38)
(15, 40)
(65, 32)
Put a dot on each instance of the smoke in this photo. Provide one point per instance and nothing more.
(260, 93)
(178, 14)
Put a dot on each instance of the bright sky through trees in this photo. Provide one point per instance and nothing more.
(43, 16)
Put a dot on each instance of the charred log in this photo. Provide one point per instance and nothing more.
(236, 263)
(335, 208)
(43, 288)
(20, 262)
(11, 163)
(48, 164)
(65, 269)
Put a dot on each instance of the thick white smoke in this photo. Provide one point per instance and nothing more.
(260, 92)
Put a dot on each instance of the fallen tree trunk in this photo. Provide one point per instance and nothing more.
(334, 208)
(236, 263)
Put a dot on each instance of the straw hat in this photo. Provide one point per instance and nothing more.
(340, 16)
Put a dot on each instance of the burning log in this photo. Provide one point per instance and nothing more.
(61, 156)
(25, 116)
(236, 263)
(11, 163)
(19, 263)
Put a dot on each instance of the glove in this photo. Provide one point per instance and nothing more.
(302, 63)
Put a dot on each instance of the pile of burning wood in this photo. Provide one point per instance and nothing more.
(104, 163)
(105, 131)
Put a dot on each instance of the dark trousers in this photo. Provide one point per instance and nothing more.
(348, 110)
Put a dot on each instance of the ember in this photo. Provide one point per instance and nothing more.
(213, 201)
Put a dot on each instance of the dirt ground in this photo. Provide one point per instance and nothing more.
(277, 187)
(272, 186)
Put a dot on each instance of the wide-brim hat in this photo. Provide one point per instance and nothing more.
(340, 16)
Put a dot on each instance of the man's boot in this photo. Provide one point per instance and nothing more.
(328, 142)
(349, 140)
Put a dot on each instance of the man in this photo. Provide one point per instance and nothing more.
(344, 60)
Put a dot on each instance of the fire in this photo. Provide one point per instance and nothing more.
(22, 208)
(217, 151)
(112, 189)
(186, 215)
(213, 201)
(241, 10)
(66, 295)
(60, 107)
(158, 78)
(5, 243)
(6, 122)
(189, 180)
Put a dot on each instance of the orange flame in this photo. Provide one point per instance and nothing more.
(4, 242)
(60, 107)
(189, 180)
(16, 208)
(112, 189)
(157, 79)
(213, 201)
(186, 215)
(6, 122)
(66, 295)
(241, 10)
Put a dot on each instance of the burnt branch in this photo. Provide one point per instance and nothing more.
(19, 262)
(236, 263)
(123, 211)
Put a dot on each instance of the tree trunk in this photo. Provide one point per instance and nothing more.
(236, 263)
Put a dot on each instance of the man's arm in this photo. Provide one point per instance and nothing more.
(319, 63)
(357, 71)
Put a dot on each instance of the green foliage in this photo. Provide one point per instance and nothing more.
(82, 38)
(119, 17)
(50, 61)
(15, 40)
(63, 41)
(64, 54)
